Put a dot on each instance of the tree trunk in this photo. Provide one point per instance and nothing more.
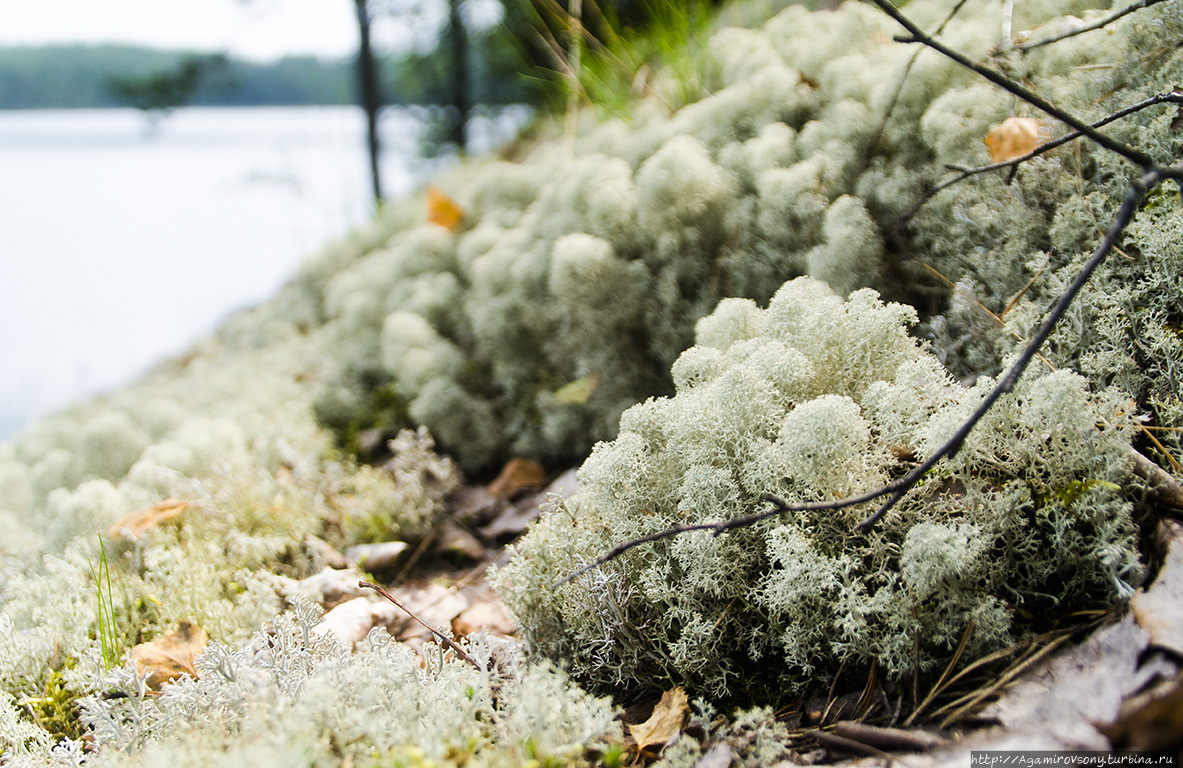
(368, 93)
(459, 42)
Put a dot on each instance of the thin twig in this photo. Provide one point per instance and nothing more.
(899, 86)
(1173, 97)
(413, 560)
(830, 698)
(968, 702)
(887, 738)
(1129, 206)
(1104, 22)
(1003, 653)
(832, 741)
(1023, 291)
(863, 705)
(996, 318)
(452, 644)
(917, 35)
(1178, 468)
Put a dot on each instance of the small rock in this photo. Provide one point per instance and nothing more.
(719, 756)
(513, 521)
(350, 622)
(563, 486)
(370, 440)
(331, 586)
(473, 504)
(326, 552)
(505, 652)
(377, 558)
(434, 604)
(457, 542)
(487, 614)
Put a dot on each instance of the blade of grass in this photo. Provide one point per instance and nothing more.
(105, 622)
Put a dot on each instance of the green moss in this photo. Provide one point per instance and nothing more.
(55, 707)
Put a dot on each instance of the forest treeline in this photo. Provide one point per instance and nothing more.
(78, 76)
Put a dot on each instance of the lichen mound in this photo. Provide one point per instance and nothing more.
(806, 153)
(816, 399)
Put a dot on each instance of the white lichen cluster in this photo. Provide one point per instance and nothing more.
(290, 697)
(594, 263)
(817, 399)
(228, 433)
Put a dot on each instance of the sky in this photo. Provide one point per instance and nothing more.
(253, 29)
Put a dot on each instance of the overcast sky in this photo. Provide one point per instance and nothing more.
(255, 29)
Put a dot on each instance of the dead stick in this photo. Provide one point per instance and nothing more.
(1090, 27)
(1164, 487)
(452, 644)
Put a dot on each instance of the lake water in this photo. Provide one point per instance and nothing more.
(120, 246)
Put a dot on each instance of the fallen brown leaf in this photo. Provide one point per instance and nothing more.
(516, 476)
(170, 655)
(141, 521)
(1014, 137)
(1177, 120)
(665, 723)
(442, 210)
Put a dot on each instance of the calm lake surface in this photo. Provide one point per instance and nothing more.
(120, 246)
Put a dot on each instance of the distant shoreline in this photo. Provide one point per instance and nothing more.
(75, 76)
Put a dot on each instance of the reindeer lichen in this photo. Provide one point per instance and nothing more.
(817, 399)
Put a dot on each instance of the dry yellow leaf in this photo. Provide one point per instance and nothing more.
(135, 523)
(170, 655)
(665, 723)
(516, 476)
(578, 392)
(443, 210)
(1014, 137)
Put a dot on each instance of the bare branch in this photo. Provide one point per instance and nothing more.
(1172, 97)
(917, 35)
(1104, 22)
(1129, 206)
